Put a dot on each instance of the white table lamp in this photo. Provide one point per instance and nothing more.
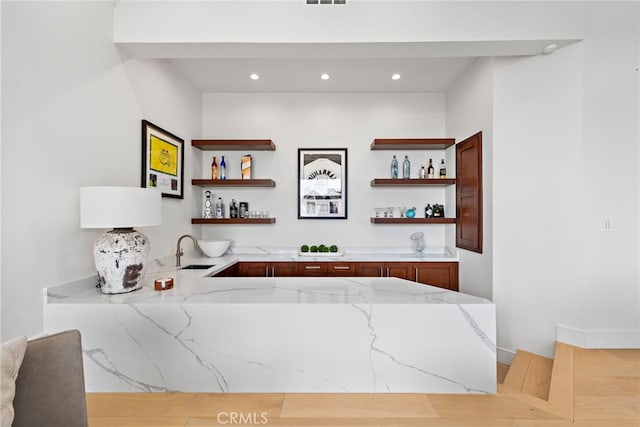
(120, 254)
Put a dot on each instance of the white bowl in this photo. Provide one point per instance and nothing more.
(214, 248)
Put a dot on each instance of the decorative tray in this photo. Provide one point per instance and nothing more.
(320, 254)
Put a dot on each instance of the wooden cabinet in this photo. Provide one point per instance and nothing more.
(401, 270)
(469, 193)
(254, 269)
(284, 269)
(231, 271)
(369, 269)
(331, 269)
(267, 269)
(440, 274)
(341, 269)
(312, 269)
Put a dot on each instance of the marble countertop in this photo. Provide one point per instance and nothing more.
(193, 287)
(196, 286)
(280, 254)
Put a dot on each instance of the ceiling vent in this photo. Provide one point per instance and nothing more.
(326, 1)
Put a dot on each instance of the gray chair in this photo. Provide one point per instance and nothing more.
(50, 385)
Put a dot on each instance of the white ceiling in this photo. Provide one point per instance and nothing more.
(353, 67)
(217, 45)
(303, 74)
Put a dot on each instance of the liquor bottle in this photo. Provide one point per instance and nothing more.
(208, 206)
(443, 169)
(214, 168)
(245, 166)
(244, 210)
(406, 168)
(223, 169)
(394, 167)
(233, 209)
(430, 170)
(428, 212)
(219, 208)
(423, 172)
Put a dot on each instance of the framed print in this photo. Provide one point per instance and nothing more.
(162, 161)
(322, 183)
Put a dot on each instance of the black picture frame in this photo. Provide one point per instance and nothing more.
(162, 161)
(322, 183)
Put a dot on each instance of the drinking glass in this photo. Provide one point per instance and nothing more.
(417, 243)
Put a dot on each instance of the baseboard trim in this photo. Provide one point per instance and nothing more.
(505, 356)
(598, 338)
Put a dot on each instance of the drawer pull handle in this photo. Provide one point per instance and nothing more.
(341, 267)
(312, 267)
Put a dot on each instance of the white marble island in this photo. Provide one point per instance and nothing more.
(314, 334)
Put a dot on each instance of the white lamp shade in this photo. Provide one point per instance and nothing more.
(119, 207)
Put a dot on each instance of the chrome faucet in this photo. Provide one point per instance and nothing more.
(179, 252)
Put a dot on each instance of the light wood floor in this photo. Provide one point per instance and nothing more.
(603, 390)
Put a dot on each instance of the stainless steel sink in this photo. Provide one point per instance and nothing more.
(197, 267)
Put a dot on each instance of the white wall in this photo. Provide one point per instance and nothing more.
(610, 170)
(470, 110)
(538, 186)
(71, 112)
(326, 120)
(565, 158)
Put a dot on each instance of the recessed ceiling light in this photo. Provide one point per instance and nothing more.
(254, 76)
(396, 76)
(550, 48)
(325, 76)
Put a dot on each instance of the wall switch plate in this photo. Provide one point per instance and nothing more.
(607, 225)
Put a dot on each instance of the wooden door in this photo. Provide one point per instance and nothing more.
(469, 193)
(284, 269)
(369, 269)
(401, 270)
(232, 271)
(254, 269)
(440, 274)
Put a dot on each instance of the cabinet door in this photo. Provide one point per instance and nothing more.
(440, 274)
(284, 269)
(232, 271)
(254, 269)
(469, 193)
(401, 270)
(312, 269)
(341, 269)
(370, 269)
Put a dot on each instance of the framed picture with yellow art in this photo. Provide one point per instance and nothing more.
(162, 161)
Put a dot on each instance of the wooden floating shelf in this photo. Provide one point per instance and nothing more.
(233, 220)
(388, 182)
(234, 182)
(413, 220)
(412, 143)
(234, 144)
